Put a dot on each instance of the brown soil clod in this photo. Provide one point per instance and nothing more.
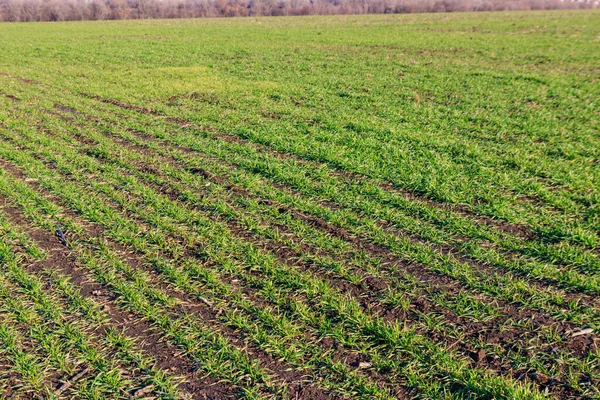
(64, 108)
(202, 172)
(12, 97)
(479, 356)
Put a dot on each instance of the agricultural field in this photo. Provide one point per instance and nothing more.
(348, 207)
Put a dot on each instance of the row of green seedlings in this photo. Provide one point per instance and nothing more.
(285, 279)
(96, 320)
(570, 257)
(585, 261)
(541, 271)
(577, 278)
(556, 252)
(333, 151)
(537, 270)
(211, 201)
(578, 235)
(216, 205)
(484, 150)
(355, 195)
(345, 374)
(62, 337)
(135, 293)
(122, 172)
(334, 366)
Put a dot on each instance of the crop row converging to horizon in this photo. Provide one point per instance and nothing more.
(367, 207)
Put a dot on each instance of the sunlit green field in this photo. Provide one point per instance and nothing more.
(352, 207)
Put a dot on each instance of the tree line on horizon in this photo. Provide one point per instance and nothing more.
(76, 10)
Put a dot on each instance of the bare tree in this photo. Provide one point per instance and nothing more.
(69, 10)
